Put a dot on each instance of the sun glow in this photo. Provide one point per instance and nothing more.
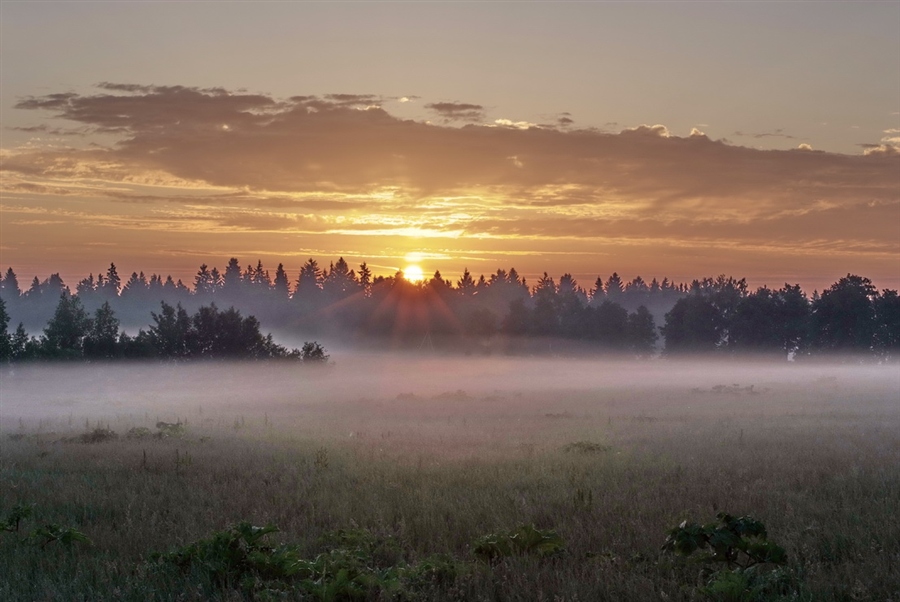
(413, 273)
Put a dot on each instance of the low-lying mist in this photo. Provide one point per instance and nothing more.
(364, 392)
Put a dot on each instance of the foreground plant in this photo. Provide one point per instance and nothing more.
(526, 540)
(47, 534)
(357, 565)
(19, 512)
(742, 545)
(739, 542)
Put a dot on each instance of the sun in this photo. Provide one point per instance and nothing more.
(413, 273)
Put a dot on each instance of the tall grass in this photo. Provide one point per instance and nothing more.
(610, 468)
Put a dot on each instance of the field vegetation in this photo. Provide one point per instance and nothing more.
(421, 478)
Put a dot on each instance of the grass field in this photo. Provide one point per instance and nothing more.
(420, 457)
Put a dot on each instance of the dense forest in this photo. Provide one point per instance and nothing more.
(166, 318)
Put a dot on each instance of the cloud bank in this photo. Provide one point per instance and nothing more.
(342, 163)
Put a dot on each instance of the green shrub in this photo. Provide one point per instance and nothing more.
(738, 542)
(742, 544)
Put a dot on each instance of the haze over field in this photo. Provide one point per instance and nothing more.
(412, 387)
(431, 455)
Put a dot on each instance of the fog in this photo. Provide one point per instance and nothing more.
(359, 388)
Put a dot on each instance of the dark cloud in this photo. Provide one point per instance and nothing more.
(779, 133)
(237, 199)
(45, 129)
(125, 87)
(457, 111)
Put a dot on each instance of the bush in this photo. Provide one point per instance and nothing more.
(742, 544)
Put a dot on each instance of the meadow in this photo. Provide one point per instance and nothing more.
(396, 467)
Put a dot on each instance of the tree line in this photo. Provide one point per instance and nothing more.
(174, 334)
(712, 315)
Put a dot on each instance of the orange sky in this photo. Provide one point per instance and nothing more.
(162, 178)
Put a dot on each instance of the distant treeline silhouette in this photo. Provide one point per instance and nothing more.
(208, 334)
(713, 315)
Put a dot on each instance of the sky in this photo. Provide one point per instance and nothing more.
(660, 139)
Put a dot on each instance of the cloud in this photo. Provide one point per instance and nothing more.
(354, 100)
(778, 133)
(653, 131)
(457, 111)
(516, 125)
(341, 163)
(888, 150)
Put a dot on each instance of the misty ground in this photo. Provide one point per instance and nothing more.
(437, 451)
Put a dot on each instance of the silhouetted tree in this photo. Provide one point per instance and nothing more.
(518, 319)
(313, 353)
(112, 284)
(887, 324)
(308, 292)
(281, 286)
(170, 334)
(232, 281)
(340, 282)
(614, 288)
(693, 325)
(466, 284)
(608, 325)
(641, 332)
(596, 292)
(755, 324)
(844, 316)
(203, 282)
(365, 279)
(102, 338)
(544, 316)
(570, 303)
(5, 339)
(65, 332)
(9, 286)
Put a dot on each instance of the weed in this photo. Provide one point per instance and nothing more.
(526, 540)
(42, 536)
(585, 447)
(19, 513)
(98, 435)
(52, 532)
(751, 585)
(138, 432)
(170, 429)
